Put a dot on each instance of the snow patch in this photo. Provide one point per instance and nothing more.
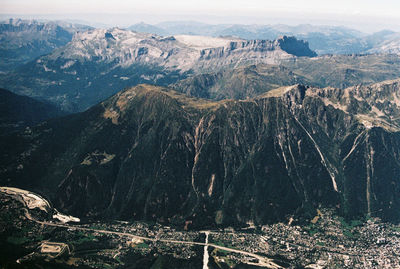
(203, 42)
(68, 64)
(46, 69)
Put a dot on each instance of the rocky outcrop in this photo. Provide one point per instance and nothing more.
(296, 47)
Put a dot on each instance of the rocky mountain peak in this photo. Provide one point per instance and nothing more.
(292, 45)
(109, 35)
(376, 105)
(295, 94)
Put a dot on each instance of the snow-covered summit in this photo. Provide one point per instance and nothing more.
(204, 42)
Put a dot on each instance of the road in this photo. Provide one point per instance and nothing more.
(18, 193)
(262, 261)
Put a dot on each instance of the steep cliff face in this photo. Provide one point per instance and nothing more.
(291, 45)
(150, 153)
(240, 52)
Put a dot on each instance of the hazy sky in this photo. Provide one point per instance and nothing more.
(368, 14)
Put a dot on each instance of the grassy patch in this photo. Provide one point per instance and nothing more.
(16, 240)
(83, 238)
(219, 254)
(396, 229)
(312, 232)
(355, 223)
(348, 227)
(103, 266)
(219, 217)
(142, 245)
(311, 229)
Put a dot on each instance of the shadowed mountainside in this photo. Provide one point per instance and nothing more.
(151, 153)
(18, 112)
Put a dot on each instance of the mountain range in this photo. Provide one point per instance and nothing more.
(98, 63)
(232, 130)
(150, 153)
(340, 71)
(322, 39)
(22, 41)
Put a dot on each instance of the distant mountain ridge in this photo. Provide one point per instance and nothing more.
(339, 71)
(322, 39)
(239, 83)
(97, 63)
(24, 40)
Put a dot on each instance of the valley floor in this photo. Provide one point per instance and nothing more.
(327, 242)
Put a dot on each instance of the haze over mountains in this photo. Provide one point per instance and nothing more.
(322, 39)
(96, 63)
(108, 60)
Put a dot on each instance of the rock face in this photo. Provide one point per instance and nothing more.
(150, 153)
(293, 46)
(22, 41)
(99, 63)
